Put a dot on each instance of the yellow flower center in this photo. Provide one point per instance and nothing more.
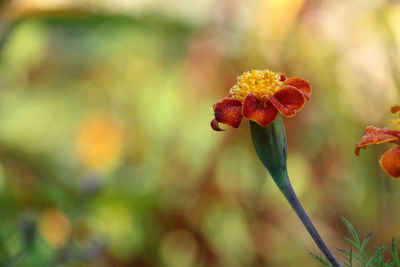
(261, 83)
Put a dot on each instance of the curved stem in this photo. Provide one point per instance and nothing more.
(271, 147)
(291, 197)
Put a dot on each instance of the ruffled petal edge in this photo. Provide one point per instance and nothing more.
(300, 84)
(288, 100)
(264, 115)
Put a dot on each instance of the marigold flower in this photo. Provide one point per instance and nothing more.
(390, 160)
(260, 95)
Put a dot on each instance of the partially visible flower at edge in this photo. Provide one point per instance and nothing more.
(390, 160)
(260, 95)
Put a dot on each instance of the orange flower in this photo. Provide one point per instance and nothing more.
(390, 160)
(260, 95)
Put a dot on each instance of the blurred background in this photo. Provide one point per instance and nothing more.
(107, 157)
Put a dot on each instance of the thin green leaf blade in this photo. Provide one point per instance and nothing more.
(321, 259)
(351, 242)
(352, 231)
(350, 254)
(366, 240)
(395, 254)
(377, 255)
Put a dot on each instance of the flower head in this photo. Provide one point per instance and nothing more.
(390, 160)
(260, 95)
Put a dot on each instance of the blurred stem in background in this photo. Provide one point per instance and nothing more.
(271, 147)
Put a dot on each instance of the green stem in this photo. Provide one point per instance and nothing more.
(271, 147)
(291, 197)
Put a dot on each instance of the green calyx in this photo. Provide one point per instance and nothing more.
(271, 147)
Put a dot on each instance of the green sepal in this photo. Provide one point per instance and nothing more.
(271, 147)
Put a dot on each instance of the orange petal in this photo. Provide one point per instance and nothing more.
(395, 109)
(390, 162)
(253, 110)
(228, 111)
(302, 85)
(373, 135)
(288, 101)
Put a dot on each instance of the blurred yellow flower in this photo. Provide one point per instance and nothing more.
(55, 227)
(99, 142)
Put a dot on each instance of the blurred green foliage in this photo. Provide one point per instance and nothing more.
(107, 157)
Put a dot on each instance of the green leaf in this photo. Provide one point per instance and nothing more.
(366, 240)
(351, 242)
(377, 256)
(349, 254)
(395, 254)
(350, 258)
(362, 248)
(352, 231)
(321, 259)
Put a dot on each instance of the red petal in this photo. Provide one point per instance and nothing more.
(302, 85)
(373, 135)
(288, 101)
(395, 109)
(253, 110)
(228, 111)
(390, 162)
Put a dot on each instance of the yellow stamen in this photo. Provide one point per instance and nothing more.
(261, 83)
